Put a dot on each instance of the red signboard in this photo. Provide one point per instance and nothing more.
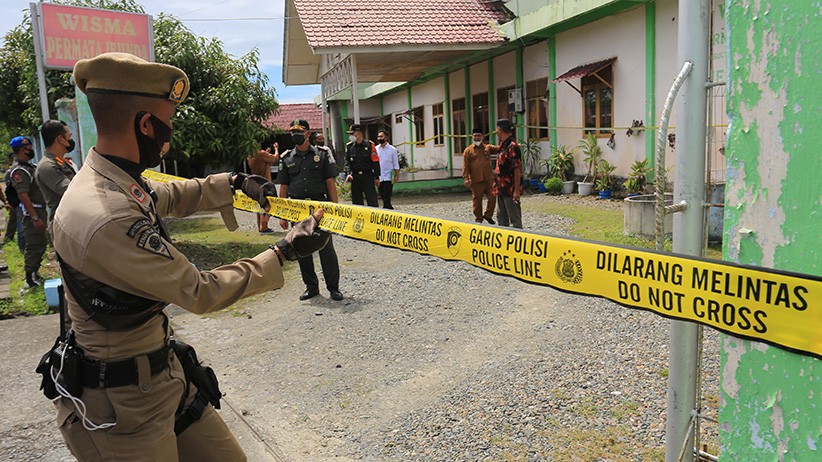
(70, 33)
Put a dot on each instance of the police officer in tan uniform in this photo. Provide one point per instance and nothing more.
(121, 269)
(55, 171)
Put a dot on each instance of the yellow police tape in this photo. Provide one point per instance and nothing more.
(777, 307)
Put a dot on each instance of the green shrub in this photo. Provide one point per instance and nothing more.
(553, 185)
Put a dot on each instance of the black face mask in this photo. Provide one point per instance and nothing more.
(152, 151)
(299, 138)
(381, 141)
(71, 146)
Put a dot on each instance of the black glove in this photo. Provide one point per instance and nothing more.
(256, 187)
(303, 239)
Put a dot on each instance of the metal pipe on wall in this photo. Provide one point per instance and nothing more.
(689, 185)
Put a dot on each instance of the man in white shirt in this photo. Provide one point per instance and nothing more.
(389, 168)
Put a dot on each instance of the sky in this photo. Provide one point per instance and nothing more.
(240, 24)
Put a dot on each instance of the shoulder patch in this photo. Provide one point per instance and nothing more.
(137, 193)
(151, 241)
(137, 226)
(16, 176)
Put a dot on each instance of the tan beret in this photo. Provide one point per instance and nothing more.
(123, 73)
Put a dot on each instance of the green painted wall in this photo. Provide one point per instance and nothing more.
(771, 404)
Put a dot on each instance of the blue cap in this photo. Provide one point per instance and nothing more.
(19, 141)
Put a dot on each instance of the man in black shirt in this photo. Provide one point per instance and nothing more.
(362, 167)
(309, 173)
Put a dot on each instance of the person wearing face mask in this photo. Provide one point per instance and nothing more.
(129, 390)
(32, 209)
(478, 177)
(15, 222)
(55, 171)
(362, 167)
(308, 173)
(389, 168)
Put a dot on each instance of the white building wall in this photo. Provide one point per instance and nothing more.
(535, 66)
(394, 104)
(505, 70)
(479, 78)
(667, 66)
(623, 36)
(368, 108)
(427, 95)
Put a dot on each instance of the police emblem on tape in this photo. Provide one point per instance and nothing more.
(453, 244)
(568, 268)
(359, 224)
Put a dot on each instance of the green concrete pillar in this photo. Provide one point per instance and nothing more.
(771, 404)
(552, 91)
(520, 119)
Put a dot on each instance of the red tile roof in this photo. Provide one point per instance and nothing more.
(353, 23)
(289, 112)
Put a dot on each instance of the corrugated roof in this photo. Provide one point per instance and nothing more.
(289, 112)
(352, 23)
(584, 70)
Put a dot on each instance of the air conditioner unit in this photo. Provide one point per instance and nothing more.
(515, 100)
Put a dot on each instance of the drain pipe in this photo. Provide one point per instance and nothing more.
(689, 186)
(662, 135)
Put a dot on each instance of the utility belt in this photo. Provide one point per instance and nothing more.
(79, 372)
(66, 372)
(102, 374)
(362, 173)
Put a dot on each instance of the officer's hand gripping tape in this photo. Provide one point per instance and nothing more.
(303, 239)
(256, 187)
(203, 377)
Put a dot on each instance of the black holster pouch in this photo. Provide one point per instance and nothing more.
(70, 376)
(203, 377)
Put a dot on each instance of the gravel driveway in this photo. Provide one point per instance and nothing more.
(423, 360)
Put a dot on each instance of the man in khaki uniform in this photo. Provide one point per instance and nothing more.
(121, 269)
(476, 171)
(55, 170)
(33, 212)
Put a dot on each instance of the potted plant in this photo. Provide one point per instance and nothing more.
(593, 153)
(561, 165)
(635, 184)
(552, 185)
(530, 161)
(604, 182)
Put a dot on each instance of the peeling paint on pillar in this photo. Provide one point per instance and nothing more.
(771, 403)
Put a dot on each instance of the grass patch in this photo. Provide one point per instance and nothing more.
(207, 244)
(615, 443)
(663, 373)
(23, 301)
(625, 410)
(605, 225)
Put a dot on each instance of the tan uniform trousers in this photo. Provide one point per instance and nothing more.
(478, 191)
(145, 423)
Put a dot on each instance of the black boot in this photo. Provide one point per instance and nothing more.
(31, 281)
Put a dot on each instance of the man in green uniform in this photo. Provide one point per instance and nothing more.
(33, 209)
(307, 172)
(55, 170)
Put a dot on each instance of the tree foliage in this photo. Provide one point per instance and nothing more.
(219, 123)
